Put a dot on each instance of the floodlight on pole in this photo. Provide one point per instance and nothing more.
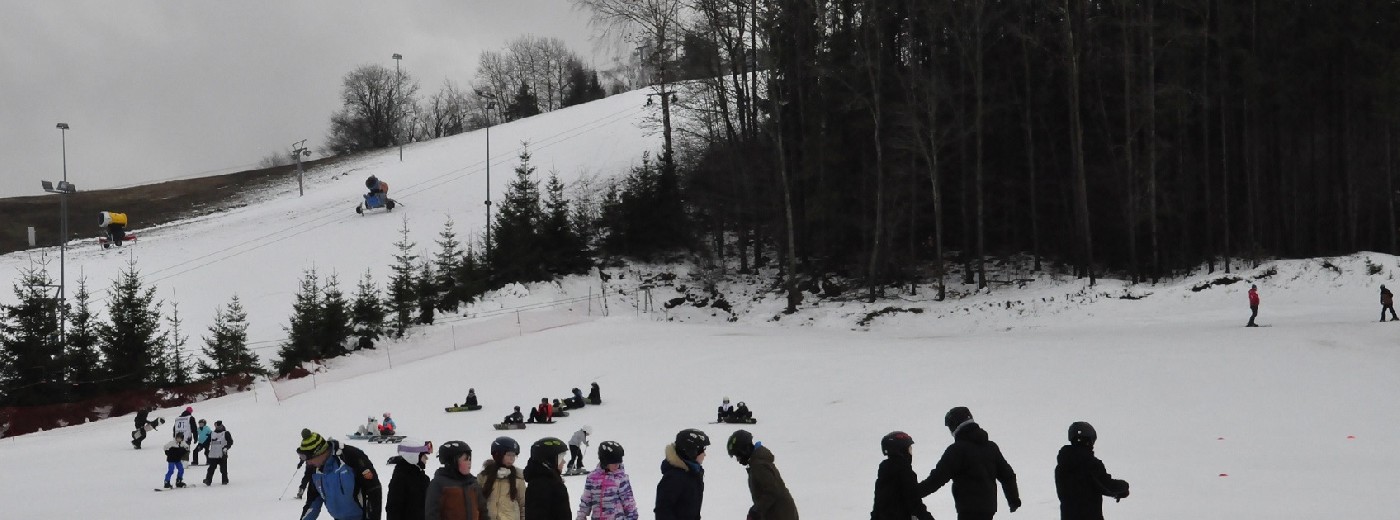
(398, 82)
(64, 189)
(299, 149)
(490, 105)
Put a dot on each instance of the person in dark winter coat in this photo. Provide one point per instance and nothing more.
(974, 464)
(1080, 478)
(1387, 304)
(220, 440)
(548, 498)
(897, 494)
(344, 483)
(771, 498)
(1253, 305)
(595, 396)
(470, 401)
(143, 426)
(408, 487)
(454, 493)
(681, 491)
(577, 400)
(514, 417)
(175, 452)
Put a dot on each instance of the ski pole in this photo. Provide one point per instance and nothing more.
(289, 483)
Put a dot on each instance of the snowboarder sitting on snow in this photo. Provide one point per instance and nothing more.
(741, 412)
(1080, 478)
(559, 407)
(515, 418)
(470, 401)
(725, 410)
(115, 224)
(576, 401)
(387, 427)
(370, 428)
(544, 413)
(1387, 303)
(594, 395)
(344, 482)
(175, 452)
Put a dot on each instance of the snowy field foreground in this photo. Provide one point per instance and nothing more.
(1204, 418)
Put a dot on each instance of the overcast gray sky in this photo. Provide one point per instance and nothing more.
(155, 90)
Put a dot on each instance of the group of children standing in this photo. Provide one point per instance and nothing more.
(189, 439)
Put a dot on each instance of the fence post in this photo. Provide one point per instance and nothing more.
(454, 336)
(590, 300)
(390, 355)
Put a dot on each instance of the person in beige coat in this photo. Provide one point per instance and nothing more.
(502, 482)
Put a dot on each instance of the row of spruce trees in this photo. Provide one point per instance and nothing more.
(537, 234)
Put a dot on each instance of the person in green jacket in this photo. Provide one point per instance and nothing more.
(771, 498)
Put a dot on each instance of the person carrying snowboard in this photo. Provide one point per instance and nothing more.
(607, 491)
(974, 464)
(1080, 478)
(502, 482)
(220, 440)
(175, 452)
(344, 482)
(576, 445)
(454, 493)
(408, 488)
(1387, 304)
(548, 498)
(143, 425)
(1253, 305)
(771, 498)
(201, 438)
(897, 493)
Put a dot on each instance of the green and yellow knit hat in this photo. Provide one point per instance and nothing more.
(312, 444)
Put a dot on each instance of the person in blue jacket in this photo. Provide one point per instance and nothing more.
(201, 442)
(344, 483)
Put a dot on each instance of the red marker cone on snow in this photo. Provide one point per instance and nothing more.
(1224, 474)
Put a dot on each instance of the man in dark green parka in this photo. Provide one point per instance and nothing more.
(771, 499)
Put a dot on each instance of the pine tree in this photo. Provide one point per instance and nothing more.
(176, 369)
(402, 300)
(226, 346)
(301, 345)
(447, 263)
(427, 292)
(29, 343)
(335, 327)
(525, 103)
(517, 252)
(473, 276)
(81, 359)
(564, 249)
(367, 315)
(131, 337)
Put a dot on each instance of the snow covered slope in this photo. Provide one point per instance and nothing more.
(260, 251)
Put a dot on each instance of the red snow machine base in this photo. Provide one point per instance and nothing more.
(130, 237)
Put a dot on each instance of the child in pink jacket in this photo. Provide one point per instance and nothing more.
(607, 494)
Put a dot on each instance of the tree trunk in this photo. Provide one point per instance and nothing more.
(1030, 154)
(1130, 170)
(1205, 142)
(1081, 189)
(1390, 193)
(977, 87)
(1152, 140)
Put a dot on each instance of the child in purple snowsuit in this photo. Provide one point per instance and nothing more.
(607, 492)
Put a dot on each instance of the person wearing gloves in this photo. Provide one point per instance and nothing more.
(548, 499)
(681, 490)
(1080, 478)
(344, 482)
(771, 498)
(454, 493)
(974, 464)
(220, 440)
(607, 492)
(201, 437)
(897, 494)
(408, 487)
(175, 452)
(502, 482)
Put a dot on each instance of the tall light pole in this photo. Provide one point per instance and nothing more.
(298, 149)
(398, 82)
(63, 190)
(490, 105)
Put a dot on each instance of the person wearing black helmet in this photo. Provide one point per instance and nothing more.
(771, 498)
(514, 417)
(1081, 481)
(470, 401)
(595, 396)
(502, 482)
(897, 494)
(548, 499)
(974, 464)
(681, 490)
(454, 493)
(607, 491)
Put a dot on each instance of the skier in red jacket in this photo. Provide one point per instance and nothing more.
(1253, 304)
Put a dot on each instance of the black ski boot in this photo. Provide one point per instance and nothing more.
(167, 485)
(179, 483)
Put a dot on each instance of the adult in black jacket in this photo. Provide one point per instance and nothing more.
(1080, 478)
(139, 434)
(546, 498)
(681, 491)
(897, 495)
(595, 396)
(974, 464)
(408, 488)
